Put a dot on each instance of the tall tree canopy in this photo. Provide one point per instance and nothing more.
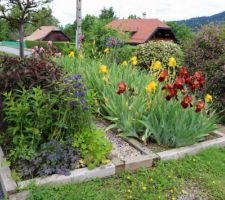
(20, 12)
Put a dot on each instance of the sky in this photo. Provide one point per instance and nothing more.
(166, 10)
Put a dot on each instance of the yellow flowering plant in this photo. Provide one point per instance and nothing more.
(172, 62)
(72, 54)
(208, 98)
(103, 69)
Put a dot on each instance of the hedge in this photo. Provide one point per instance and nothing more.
(61, 46)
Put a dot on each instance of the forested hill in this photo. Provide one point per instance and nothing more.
(195, 23)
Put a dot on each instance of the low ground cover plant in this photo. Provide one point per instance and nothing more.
(156, 105)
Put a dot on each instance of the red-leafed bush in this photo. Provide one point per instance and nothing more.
(27, 72)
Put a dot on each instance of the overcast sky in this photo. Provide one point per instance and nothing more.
(65, 10)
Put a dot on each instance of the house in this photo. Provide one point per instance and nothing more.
(46, 33)
(143, 30)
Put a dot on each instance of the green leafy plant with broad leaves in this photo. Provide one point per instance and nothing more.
(94, 147)
(158, 51)
(33, 117)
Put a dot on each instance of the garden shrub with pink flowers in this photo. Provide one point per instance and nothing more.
(207, 53)
(160, 106)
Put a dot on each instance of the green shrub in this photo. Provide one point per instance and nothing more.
(94, 147)
(207, 53)
(61, 46)
(158, 51)
(33, 117)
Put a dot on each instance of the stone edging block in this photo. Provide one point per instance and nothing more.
(9, 186)
(193, 149)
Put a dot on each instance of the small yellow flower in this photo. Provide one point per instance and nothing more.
(156, 65)
(81, 56)
(124, 63)
(103, 69)
(134, 60)
(208, 98)
(106, 50)
(144, 188)
(72, 54)
(128, 178)
(104, 78)
(151, 87)
(172, 62)
(129, 191)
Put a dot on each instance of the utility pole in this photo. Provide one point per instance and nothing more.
(79, 22)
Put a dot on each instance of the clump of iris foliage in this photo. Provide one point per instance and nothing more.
(157, 104)
(43, 113)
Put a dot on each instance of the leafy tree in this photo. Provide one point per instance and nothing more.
(20, 12)
(43, 17)
(182, 32)
(133, 17)
(107, 14)
(4, 29)
(70, 30)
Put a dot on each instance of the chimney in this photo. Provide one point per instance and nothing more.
(144, 14)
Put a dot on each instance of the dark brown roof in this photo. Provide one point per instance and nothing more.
(142, 29)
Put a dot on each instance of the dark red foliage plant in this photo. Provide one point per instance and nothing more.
(27, 72)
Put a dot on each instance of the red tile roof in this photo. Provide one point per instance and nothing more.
(142, 28)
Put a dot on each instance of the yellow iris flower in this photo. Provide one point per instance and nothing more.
(172, 62)
(208, 98)
(156, 65)
(151, 87)
(103, 69)
(72, 54)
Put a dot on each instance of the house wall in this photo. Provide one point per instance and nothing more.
(56, 36)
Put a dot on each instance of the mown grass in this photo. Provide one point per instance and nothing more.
(167, 180)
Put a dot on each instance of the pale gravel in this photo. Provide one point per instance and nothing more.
(121, 149)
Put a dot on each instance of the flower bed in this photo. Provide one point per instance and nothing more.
(45, 120)
(165, 105)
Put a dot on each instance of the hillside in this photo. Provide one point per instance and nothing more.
(195, 23)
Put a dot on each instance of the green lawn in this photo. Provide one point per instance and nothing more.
(202, 176)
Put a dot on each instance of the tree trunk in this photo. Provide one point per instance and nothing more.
(22, 40)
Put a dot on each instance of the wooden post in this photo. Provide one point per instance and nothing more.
(79, 21)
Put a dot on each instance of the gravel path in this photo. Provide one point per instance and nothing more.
(121, 149)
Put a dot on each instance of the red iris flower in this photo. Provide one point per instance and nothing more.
(186, 101)
(163, 75)
(170, 90)
(122, 88)
(188, 80)
(199, 106)
(179, 81)
(183, 72)
(200, 78)
(195, 84)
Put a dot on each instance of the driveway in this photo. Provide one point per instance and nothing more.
(14, 51)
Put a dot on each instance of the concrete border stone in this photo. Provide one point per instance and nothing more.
(190, 150)
(9, 186)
